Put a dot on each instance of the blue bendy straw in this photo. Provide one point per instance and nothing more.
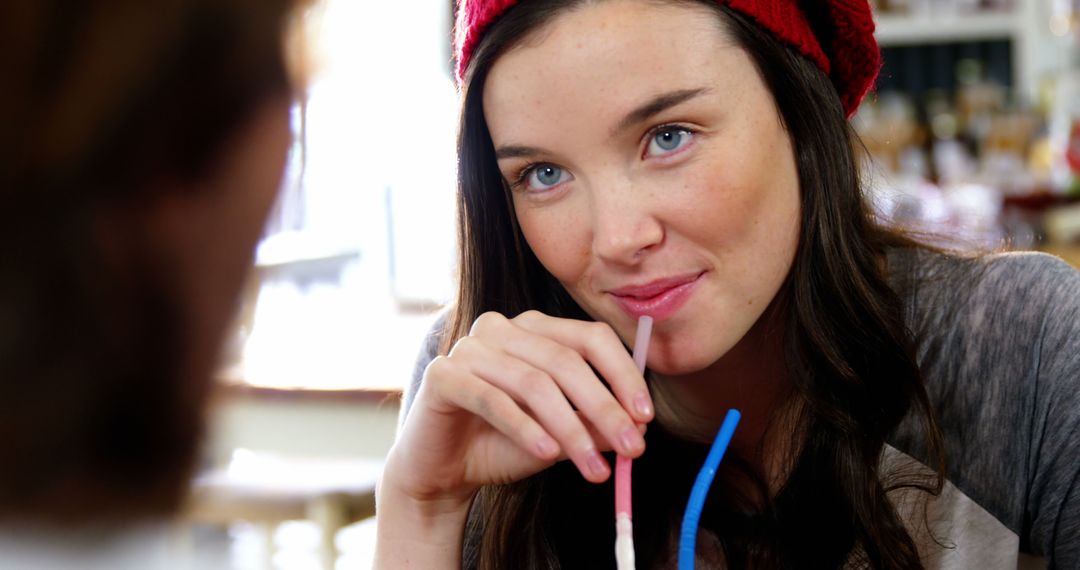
(692, 516)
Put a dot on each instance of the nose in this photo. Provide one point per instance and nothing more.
(625, 223)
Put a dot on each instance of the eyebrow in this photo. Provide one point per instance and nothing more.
(518, 151)
(650, 108)
(655, 106)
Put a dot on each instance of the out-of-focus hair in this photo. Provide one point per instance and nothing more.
(103, 104)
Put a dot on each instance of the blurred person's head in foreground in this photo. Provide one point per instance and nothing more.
(142, 148)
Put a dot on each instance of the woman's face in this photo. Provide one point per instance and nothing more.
(650, 171)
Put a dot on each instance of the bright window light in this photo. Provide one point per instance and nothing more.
(360, 251)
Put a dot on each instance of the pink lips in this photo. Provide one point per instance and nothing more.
(658, 299)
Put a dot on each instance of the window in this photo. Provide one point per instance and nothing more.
(359, 253)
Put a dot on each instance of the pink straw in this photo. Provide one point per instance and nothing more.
(623, 503)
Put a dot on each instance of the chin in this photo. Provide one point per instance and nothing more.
(679, 355)
(679, 366)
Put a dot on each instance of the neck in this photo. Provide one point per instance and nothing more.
(752, 378)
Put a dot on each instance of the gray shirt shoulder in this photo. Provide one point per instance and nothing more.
(429, 349)
(999, 346)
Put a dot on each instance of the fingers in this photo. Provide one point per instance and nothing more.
(573, 376)
(600, 346)
(463, 389)
(547, 401)
(599, 437)
(547, 344)
(525, 377)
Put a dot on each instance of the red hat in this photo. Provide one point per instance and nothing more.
(837, 35)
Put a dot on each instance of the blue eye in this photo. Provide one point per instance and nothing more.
(546, 176)
(668, 140)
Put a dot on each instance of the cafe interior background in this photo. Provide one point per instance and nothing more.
(974, 133)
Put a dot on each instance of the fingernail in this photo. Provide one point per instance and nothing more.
(630, 439)
(546, 446)
(643, 404)
(596, 464)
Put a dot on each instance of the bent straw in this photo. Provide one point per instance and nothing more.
(692, 515)
(624, 528)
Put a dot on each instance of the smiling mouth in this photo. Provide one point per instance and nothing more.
(659, 299)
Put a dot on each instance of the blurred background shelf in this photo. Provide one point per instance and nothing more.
(1028, 26)
(897, 30)
(970, 121)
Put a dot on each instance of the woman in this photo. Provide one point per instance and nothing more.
(143, 143)
(691, 160)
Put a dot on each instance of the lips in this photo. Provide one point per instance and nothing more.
(659, 299)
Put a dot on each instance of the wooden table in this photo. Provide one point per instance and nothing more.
(268, 490)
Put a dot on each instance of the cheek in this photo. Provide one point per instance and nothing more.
(716, 207)
(558, 237)
(744, 202)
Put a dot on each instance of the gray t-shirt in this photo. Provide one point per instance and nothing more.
(999, 346)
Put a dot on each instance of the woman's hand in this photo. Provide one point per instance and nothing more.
(512, 398)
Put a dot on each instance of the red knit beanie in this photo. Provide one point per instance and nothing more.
(837, 35)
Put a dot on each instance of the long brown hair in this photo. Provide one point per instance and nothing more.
(849, 356)
(104, 103)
